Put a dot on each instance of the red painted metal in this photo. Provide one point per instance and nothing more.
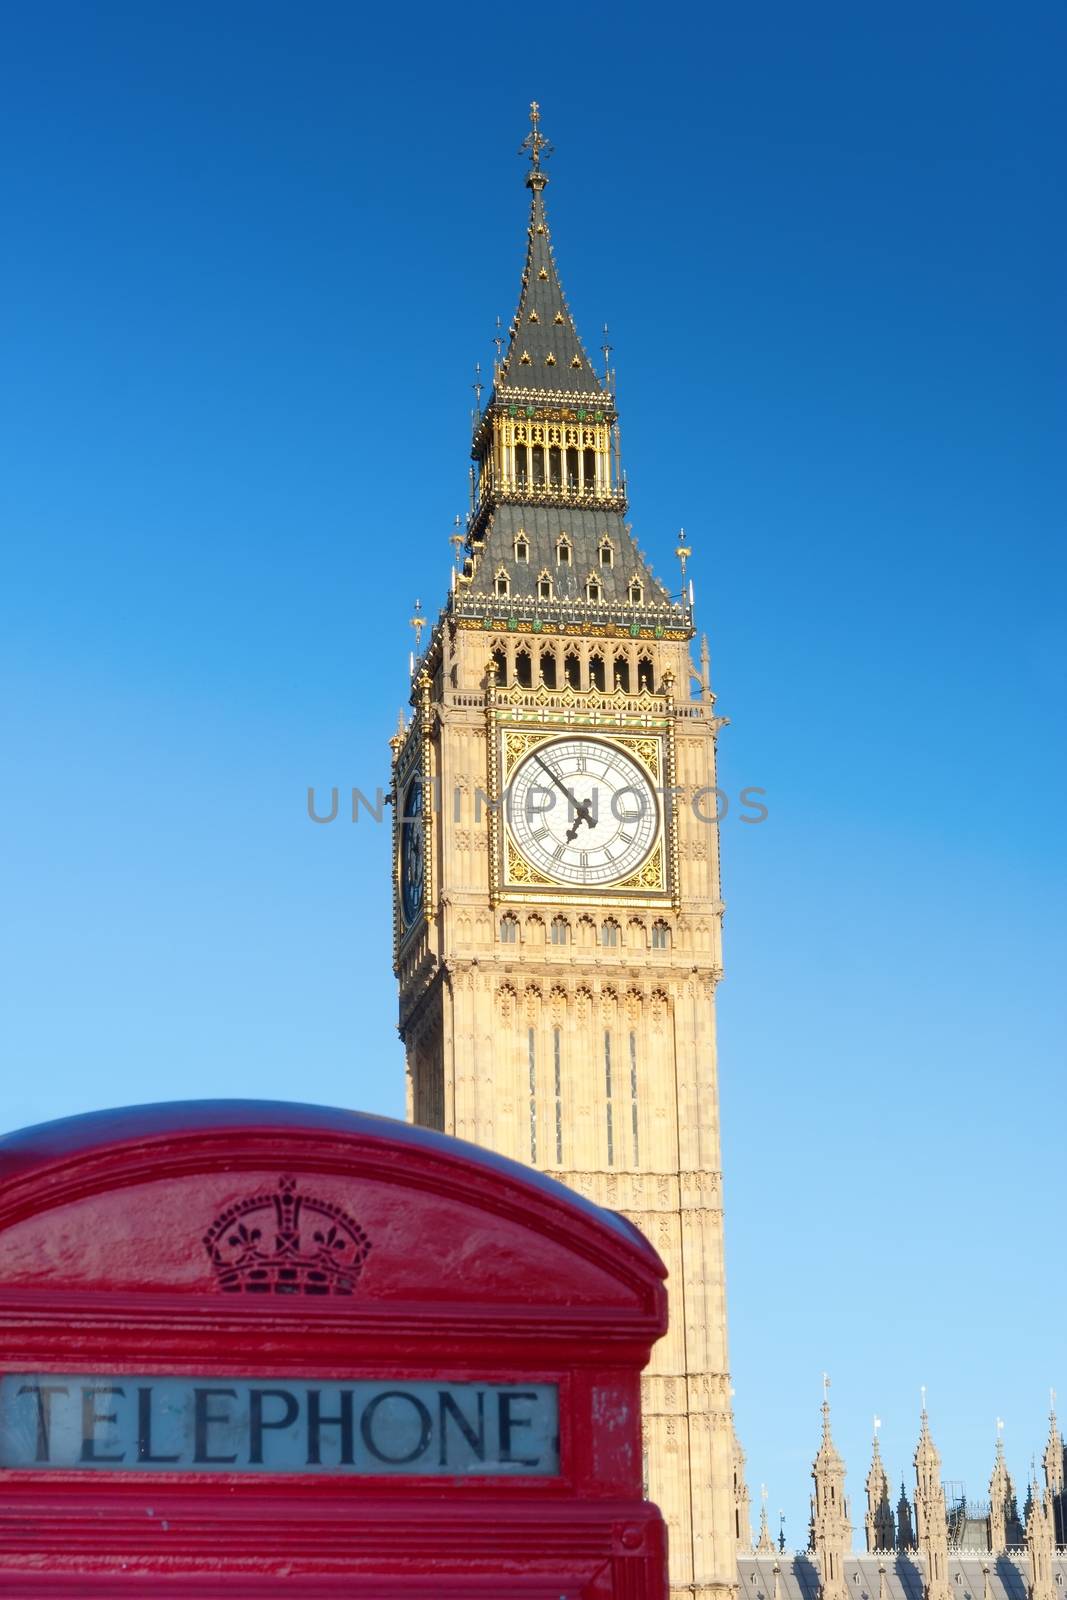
(477, 1269)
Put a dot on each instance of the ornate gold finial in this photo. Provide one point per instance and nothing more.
(418, 622)
(537, 146)
(455, 538)
(683, 551)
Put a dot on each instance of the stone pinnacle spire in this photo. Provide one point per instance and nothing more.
(1040, 1543)
(880, 1528)
(932, 1522)
(1004, 1526)
(1054, 1455)
(831, 1533)
(1055, 1463)
(742, 1512)
(905, 1524)
(765, 1545)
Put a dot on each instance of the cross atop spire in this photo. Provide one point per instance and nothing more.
(536, 145)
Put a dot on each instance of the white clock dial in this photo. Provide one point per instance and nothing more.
(582, 811)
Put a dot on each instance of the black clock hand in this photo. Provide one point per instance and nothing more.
(581, 807)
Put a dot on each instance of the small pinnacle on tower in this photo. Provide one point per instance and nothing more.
(683, 550)
(765, 1544)
(418, 622)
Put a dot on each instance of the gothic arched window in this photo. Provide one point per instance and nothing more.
(561, 930)
(502, 583)
(661, 936)
(509, 930)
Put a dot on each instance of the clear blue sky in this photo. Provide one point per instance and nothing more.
(251, 252)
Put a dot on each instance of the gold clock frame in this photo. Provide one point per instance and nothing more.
(647, 736)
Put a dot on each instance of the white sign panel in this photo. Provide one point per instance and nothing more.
(363, 1426)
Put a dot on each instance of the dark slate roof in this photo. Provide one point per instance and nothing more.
(799, 1576)
(585, 527)
(543, 329)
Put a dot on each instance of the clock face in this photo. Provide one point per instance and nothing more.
(582, 811)
(412, 864)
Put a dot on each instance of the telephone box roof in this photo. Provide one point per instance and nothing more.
(30, 1151)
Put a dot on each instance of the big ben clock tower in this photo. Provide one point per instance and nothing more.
(557, 902)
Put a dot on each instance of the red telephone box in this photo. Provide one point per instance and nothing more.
(246, 1344)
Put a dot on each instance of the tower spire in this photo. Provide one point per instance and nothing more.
(545, 353)
(547, 526)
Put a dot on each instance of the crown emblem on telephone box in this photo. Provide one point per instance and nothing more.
(282, 1242)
